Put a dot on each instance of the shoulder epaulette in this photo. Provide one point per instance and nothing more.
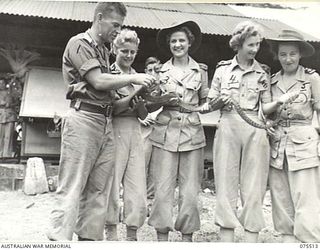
(265, 67)
(309, 71)
(203, 66)
(223, 63)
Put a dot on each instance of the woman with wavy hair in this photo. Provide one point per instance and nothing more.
(129, 161)
(241, 151)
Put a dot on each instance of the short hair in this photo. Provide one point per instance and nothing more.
(184, 29)
(242, 31)
(151, 60)
(126, 36)
(107, 7)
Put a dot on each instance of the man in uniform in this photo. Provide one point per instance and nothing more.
(87, 147)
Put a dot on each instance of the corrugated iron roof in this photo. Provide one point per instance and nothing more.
(216, 19)
(302, 18)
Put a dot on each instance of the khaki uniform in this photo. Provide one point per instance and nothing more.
(87, 148)
(240, 151)
(8, 117)
(178, 140)
(129, 166)
(147, 148)
(295, 173)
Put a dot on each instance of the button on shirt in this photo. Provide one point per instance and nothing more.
(245, 86)
(299, 142)
(81, 55)
(175, 131)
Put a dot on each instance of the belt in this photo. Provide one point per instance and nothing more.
(288, 123)
(177, 108)
(233, 111)
(105, 109)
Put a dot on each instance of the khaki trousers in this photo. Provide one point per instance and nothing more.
(85, 177)
(241, 162)
(296, 202)
(188, 168)
(130, 171)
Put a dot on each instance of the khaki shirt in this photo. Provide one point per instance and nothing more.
(81, 55)
(175, 131)
(247, 87)
(298, 143)
(124, 91)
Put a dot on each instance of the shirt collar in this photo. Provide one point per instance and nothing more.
(254, 67)
(90, 39)
(115, 67)
(300, 75)
(192, 64)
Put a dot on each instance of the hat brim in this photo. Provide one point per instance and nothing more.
(163, 33)
(306, 49)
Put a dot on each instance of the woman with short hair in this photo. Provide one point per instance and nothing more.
(129, 161)
(241, 151)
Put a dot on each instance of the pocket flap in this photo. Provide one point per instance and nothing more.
(254, 86)
(194, 85)
(163, 119)
(194, 119)
(304, 136)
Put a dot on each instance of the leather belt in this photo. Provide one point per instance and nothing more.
(177, 108)
(288, 123)
(105, 109)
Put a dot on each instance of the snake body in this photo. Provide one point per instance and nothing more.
(214, 104)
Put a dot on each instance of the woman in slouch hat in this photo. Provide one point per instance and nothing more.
(295, 173)
(178, 137)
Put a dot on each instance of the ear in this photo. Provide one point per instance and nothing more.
(99, 17)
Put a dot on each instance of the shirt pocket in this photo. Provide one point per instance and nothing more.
(229, 87)
(305, 143)
(196, 130)
(193, 85)
(159, 130)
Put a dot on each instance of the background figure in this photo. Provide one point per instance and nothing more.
(87, 143)
(178, 137)
(8, 117)
(129, 162)
(241, 151)
(152, 67)
(294, 177)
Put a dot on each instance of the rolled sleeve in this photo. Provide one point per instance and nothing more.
(83, 57)
(315, 87)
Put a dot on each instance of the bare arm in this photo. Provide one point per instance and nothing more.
(269, 108)
(105, 81)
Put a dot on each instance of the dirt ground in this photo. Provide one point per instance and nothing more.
(25, 218)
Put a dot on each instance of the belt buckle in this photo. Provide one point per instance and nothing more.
(285, 123)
